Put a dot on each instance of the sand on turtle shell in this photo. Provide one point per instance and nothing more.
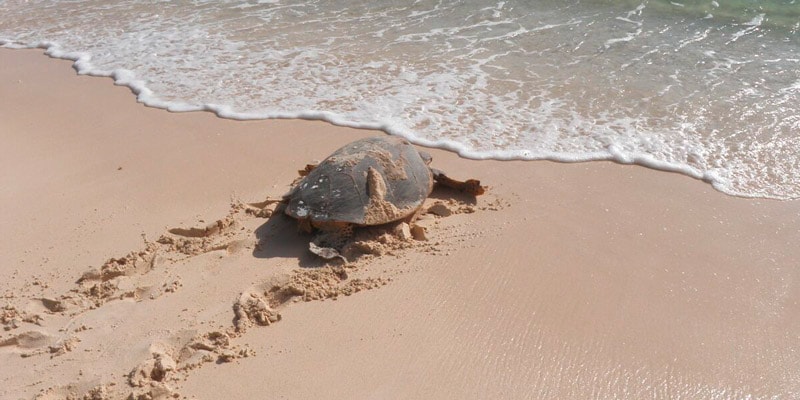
(379, 210)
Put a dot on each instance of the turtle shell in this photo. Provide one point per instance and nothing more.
(370, 181)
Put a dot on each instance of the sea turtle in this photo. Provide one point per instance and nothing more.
(367, 182)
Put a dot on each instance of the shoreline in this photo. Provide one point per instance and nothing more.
(81, 63)
(589, 280)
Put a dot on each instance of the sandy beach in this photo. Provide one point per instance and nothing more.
(137, 262)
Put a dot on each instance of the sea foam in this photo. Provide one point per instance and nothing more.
(652, 83)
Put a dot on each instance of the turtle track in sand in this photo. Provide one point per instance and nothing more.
(148, 276)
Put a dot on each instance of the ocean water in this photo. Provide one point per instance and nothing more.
(708, 88)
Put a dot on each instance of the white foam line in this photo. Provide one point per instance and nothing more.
(752, 25)
(637, 11)
(697, 38)
(83, 65)
(795, 87)
(630, 21)
(627, 38)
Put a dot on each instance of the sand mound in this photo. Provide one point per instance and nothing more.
(79, 392)
(252, 309)
(322, 283)
(11, 318)
(167, 363)
(194, 241)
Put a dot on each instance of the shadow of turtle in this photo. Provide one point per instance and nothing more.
(279, 237)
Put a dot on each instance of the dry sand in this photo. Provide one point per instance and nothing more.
(132, 266)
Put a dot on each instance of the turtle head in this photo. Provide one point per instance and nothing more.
(425, 157)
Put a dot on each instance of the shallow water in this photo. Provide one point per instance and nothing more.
(706, 88)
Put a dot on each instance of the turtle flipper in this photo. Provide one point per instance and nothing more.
(302, 173)
(328, 253)
(305, 171)
(470, 186)
(330, 241)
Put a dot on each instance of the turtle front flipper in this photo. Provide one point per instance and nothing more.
(470, 186)
(307, 170)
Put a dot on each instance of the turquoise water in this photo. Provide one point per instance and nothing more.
(706, 88)
(782, 15)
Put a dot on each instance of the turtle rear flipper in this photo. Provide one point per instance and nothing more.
(335, 235)
(470, 186)
(327, 253)
(330, 240)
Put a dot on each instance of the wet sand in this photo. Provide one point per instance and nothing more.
(564, 281)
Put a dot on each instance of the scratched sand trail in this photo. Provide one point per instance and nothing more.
(564, 281)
